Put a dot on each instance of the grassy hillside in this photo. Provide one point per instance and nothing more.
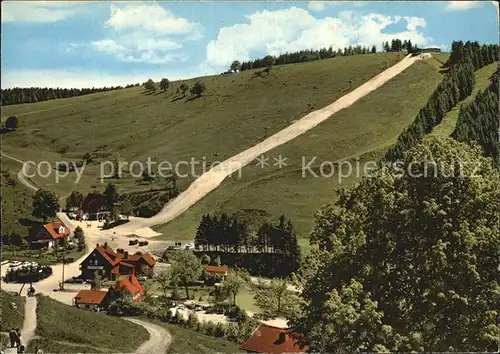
(365, 129)
(64, 328)
(235, 113)
(16, 200)
(188, 341)
(483, 75)
(11, 318)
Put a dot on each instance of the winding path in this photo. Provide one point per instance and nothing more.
(29, 324)
(159, 338)
(20, 175)
(214, 177)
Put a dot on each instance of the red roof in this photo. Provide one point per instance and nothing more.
(53, 229)
(216, 269)
(269, 339)
(131, 284)
(116, 259)
(90, 297)
(107, 252)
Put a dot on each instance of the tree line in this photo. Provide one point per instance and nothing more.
(305, 55)
(230, 238)
(18, 95)
(480, 55)
(478, 121)
(456, 85)
(324, 53)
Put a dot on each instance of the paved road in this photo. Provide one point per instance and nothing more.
(214, 177)
(159, 338)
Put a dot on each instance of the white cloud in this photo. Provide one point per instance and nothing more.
(293, 29)
(319, 6)
(151, 18)
(141, 34)
(83, 79)
(462, 5)
(40, 11)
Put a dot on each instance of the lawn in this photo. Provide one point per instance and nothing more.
(362, 131)
(244, 299)
(11, 318)
(62, 325)
(447, 125)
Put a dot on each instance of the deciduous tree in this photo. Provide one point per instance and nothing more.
(409, 261)
(45, 204)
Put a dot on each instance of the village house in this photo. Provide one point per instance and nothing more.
(128, 285)
(270, 339)
(94, 207)
(97, 300)
(50, 235)
(216, 271)
(110, 264)
(94, 300)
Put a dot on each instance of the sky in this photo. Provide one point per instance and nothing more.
(85, 44)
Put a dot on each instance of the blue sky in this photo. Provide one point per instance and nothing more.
(81, 44)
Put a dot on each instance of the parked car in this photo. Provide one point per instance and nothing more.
(15, 264)
(143, 243)
(133, 242)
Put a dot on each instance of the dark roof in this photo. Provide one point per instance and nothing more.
(93, 201)
(269, 339)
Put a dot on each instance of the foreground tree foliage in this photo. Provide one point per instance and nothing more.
(45, 204)
(186, 268)
(408, 263)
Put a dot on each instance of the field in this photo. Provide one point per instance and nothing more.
(61, 326)
(11, 318)
(362, 131)
(483, 75)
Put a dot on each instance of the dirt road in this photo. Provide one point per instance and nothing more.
(20, 175)
(159, 338)
(214, 177)
(29, 324)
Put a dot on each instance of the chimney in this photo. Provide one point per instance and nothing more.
(97, 245)
(105, 245)
(281, 338)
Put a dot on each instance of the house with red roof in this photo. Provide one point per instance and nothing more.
(129, 285)
(220, 271)
(110, 264)
(50, 235)
(95, 300)
(270, 339)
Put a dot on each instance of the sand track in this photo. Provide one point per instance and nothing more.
(214, 177)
